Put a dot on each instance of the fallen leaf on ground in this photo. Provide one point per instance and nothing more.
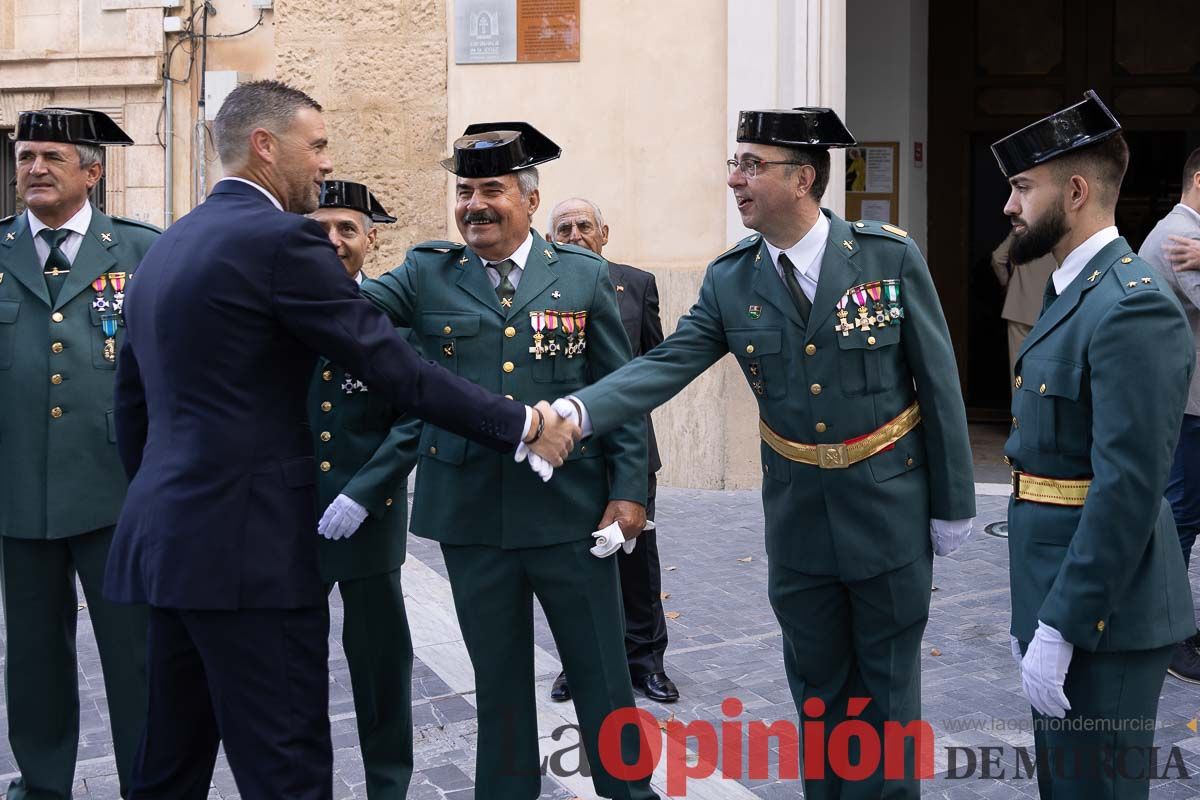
(664, 595)
(935, 652)
(662, 723)
(746, 560)
(672, 615)
(670, 569)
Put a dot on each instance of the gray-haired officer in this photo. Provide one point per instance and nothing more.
(1099, 591)
(364, 460)
(64, 266)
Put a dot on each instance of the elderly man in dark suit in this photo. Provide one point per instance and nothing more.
(579, 222)
(225, 321)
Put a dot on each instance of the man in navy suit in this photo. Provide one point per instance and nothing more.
(225, 321)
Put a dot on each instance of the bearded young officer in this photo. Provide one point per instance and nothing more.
(1099, 591)
(363, 462)
(528, 318)
(865, 457)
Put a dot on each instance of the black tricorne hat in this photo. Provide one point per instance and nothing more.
(488, 149)
(1085, 123)
(71, 126)
(347, 194)
(807, 126)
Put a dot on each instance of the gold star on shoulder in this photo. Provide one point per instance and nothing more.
(1093, 276)
(1145, 280)
(106, 237)
(10, 237)
(548, 254)
(758, 257)
(846, 243)
(506, 302)
(463, 260)
(1131, 284)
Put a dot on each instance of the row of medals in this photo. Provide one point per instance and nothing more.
(111, 311)
(547, 324)
(865, 296)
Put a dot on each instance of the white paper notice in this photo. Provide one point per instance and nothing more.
(880, 210)
(879, 170)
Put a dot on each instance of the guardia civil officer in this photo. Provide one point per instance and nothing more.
(531, 319)
(1099, 590)
(363, 462)
(865, 458)
(64, 267)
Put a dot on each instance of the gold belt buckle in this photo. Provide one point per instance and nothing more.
(832, 456)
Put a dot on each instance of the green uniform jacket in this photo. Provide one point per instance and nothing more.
(363, 452)
(466, 494)
(1102, 383)
(61, 475)
(814, 385)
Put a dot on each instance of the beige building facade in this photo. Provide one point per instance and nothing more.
(646, 119)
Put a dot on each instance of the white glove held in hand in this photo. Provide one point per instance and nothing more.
(609, 540)
(565, 409)
(536, 463)
(341, 519)
(1044, 670)
(949, 535)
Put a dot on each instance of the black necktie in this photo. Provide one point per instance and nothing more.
(505, 290)
(57, 265)
(803, 304)
(1049, 296)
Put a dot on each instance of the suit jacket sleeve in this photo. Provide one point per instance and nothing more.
(315, 299)
(930, 357)
(1135, 424)
(651, 380)
(608, 349)
(652, 332)
(129, 411)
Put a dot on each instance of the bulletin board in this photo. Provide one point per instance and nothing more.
(873, 181)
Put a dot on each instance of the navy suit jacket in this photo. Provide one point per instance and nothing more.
(637, 297)
(225, 320)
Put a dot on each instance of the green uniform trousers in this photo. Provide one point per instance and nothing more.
(581, 596)
(42, 672)
(859, 639)
(378, 647)
(1102, 748)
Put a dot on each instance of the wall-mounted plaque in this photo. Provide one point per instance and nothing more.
(516, 31)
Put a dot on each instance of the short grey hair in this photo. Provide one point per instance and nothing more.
(259, 104)
(595, 211)
(368, 223)
(527, 180)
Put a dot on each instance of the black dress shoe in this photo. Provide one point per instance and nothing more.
(1185, 660)
(560, 692)
(657, 686)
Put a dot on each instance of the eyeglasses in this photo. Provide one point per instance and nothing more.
(750, 166)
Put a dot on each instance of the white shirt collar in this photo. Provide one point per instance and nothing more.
(78, 223)
(358, 277)
(1189, 210)
(805, 254)
(274, 200)
(1078, 258)
(519, 257)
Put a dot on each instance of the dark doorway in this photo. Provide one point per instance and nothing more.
(997, 65)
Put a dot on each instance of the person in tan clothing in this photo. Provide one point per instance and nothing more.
(1025, 286)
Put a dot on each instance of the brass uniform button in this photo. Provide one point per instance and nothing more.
(1100, 626)
(447, 330)
(583, 448)
(870, 340)
(327, 375)
(1125, 260)
(815, 388)
(908, 462)
(56, 412)
(508, 396)
(57, 347)
(509, 366)
(326, 466)
(1015, 425)
(749, 349)
(766, 468)
(1017, 383)
(1042, 389)
(811, 350)
(510, 331)
(326, 436)
(821, 427)
(388, 502)
(1008, 461)
(433, 451)
(327, 406)
(57, 316)
(56, 379)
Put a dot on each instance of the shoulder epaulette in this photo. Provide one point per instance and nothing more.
(1135, 276)
(574, 249)
(8, 219)
(744, 244)
(439, 246)
(135, 223)
(879, 229)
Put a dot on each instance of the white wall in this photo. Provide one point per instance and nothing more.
(887, 81)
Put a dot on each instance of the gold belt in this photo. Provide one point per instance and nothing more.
(1052, 491)
(843, 454)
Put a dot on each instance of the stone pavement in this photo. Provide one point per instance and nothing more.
(724, 643)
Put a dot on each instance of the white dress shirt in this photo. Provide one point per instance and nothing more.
(1078, 258)
(274, 200)
(805, 256)
(1188, 210)
(518, 258)
(77, 225)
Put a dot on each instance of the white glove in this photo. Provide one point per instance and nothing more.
(949, 535)
(1016, 650)
(341, 519)
(1044, 670)
(609, 540)
(566, 409)
(536, 463)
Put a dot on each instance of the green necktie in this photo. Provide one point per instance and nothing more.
(505, 290)
(793, 286)
(1048, 296)
(57, 265)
